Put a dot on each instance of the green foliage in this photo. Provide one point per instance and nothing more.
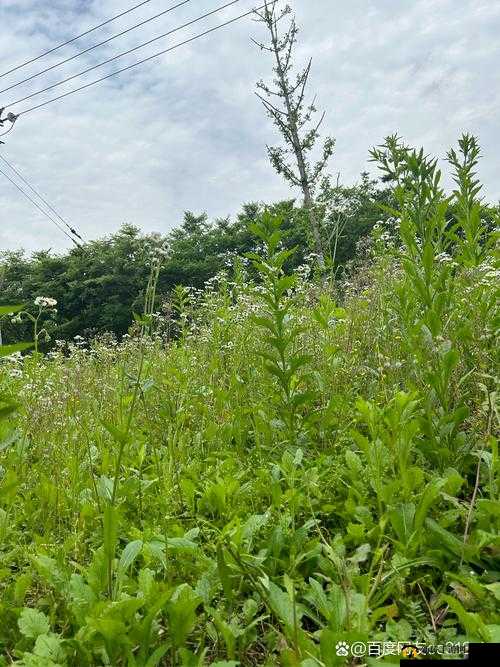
(99, 285)
(298, 466)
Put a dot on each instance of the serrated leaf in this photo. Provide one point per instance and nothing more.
(49, 646)
(33, 623)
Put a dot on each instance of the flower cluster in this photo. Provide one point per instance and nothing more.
(45, 302)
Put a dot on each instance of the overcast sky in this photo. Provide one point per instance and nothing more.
(186, 132)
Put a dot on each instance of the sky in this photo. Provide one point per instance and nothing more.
(186, 131)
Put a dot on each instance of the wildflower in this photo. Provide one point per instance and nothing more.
(45, 302)
(444, 258)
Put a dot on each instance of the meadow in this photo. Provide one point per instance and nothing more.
(272, 469)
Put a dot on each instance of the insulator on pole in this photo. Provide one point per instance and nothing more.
(10, 117)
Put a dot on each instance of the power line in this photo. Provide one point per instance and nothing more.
(43, 199)
(141, 62)
(73, 39)
(4, 134)
(39, 207)
(91, 48)
(125, 53)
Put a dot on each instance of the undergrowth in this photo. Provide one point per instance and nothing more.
(284, 465)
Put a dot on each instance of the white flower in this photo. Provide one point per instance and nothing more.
(444, 258)
(45, 302)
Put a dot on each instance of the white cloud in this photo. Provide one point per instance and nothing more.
(186, 131)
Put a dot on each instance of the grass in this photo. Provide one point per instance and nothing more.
(270, 473)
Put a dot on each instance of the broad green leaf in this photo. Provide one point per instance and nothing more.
(452, 543)
(181, 544)
(282, 606)
(402, 519)
(49, 646)
(33, 623)
(129, 555)
(181, 613)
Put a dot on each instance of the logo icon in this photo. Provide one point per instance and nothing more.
(342, 649)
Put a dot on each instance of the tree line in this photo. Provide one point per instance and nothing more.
(98, 285)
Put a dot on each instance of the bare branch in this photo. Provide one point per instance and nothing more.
(320, 122)
(261, 46)
(267, 104)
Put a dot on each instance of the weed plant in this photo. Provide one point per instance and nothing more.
(276, 466)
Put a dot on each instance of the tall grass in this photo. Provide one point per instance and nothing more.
(296, 465)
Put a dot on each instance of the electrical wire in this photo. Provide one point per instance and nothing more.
(4, 134)
(39, 208)
(73, 39)
(124, 53)
(43, 199)
(91, 48)
(141, 62)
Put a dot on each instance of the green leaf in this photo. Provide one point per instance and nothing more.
(49, 646)
(82, 597)
(48, 569)
(471, 622)
(447, 540)
(224, 573)
(118, 435)
(319, 599)
(495, 589)
(157, 655)
(129, 555)
(429, 495)
(284, 284)
(265, 322)
(7, 350)
(7, 310)
(32, 660)
(181, 544)
(181, 613)
(5, 411)
(281, 605)
(33, 623)
(494, 633)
